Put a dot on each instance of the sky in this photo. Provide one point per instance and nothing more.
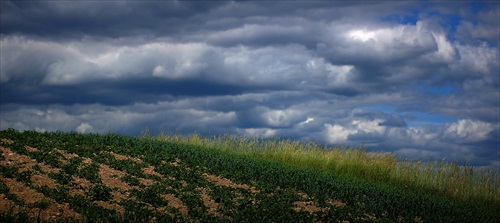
(418, 79)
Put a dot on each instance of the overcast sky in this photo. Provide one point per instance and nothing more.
(418, 79)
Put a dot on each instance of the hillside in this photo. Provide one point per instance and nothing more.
(57, 176)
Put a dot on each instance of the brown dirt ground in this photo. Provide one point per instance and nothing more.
(111, 178)
(30, 196)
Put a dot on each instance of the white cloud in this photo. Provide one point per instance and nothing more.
(362, 35)
(482, 26)
(252, 32)
(22, 57)
(177, 60)
(476, 61)
(446, 52)
(334, 75)
(210, 117)
(392, 38)
(77, 62)
(372, 126)
(267, 65)
(337, 134)
(43, 119)
(281, 118)
(308, 120)
(63, 63)
(257, 132)
(468, 130)
(339, 74)
(84, 127)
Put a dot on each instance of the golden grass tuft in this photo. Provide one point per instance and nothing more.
(450, 178)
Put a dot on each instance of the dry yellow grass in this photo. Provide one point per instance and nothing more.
(465, 182)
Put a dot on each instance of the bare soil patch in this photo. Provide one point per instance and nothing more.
(47, 209)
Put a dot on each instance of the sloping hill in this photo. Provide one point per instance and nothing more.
(71, 177)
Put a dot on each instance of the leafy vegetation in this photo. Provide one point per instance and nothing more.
(112, 178)
(449, 178)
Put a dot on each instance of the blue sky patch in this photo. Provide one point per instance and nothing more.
(406, 19)
(438, 91)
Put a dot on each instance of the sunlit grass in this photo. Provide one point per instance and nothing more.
(452, 179)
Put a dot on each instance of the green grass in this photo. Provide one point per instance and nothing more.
(367, 184)
(449, 178)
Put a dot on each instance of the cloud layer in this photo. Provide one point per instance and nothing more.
(416, 79)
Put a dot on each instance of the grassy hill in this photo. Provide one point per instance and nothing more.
(57, 176)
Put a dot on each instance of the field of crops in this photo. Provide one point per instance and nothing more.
(57, 176)
(452, 179)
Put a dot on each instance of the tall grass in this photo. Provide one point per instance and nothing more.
(452, 179)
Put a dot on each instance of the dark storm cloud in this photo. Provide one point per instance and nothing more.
(121, 92)
(412, 78)
(76, 19)
(394, 120)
